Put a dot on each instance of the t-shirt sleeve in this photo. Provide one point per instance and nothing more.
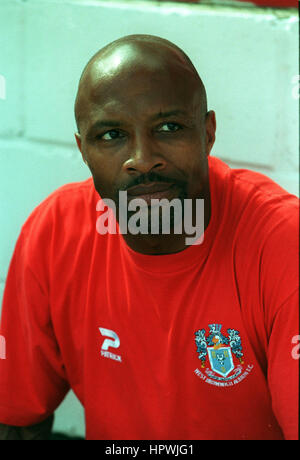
(283, 366)
(33, 380)
(280, 298)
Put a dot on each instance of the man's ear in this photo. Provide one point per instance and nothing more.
(210, 128)
(78, 142)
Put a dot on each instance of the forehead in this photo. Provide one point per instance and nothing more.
(135, 82)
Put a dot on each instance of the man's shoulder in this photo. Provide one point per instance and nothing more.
(264, 186)
(68, 202)
(76, 189)
(248, 190)
(269, 213)
(255, 212)
(265, 201)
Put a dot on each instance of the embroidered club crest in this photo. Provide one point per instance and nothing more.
(221, 355)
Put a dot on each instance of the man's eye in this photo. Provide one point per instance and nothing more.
(169, 127)
(110, 135)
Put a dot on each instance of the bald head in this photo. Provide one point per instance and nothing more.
(127, 57)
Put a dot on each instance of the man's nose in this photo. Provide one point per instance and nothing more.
(143, 157)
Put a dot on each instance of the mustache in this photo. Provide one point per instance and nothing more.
(152, 177)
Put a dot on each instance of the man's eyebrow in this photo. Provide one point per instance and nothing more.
(116, 124)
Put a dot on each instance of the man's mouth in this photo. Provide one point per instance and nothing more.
(151, 191)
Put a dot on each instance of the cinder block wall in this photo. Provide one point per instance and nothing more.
(247, 57)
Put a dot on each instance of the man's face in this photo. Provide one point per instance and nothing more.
(143, 126)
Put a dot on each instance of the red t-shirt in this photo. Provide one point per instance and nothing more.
(194, 345)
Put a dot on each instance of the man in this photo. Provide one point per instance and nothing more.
(158, 339)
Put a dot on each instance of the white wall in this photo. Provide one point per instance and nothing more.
(247, 58)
